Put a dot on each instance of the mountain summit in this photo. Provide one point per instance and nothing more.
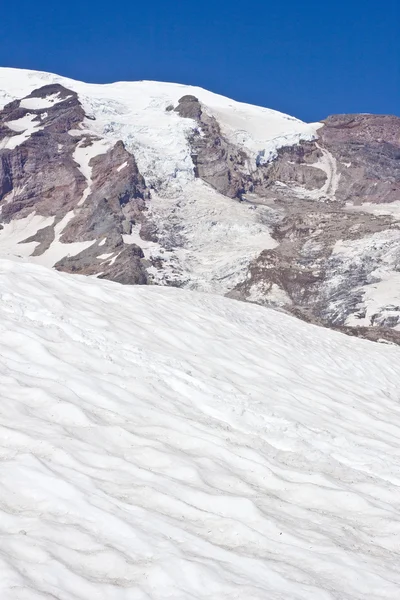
(157, 183)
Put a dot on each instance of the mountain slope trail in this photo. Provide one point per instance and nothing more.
(160, 443)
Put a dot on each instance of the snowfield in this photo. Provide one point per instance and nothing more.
(161, 444)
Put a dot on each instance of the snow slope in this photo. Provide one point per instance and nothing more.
(157, 443)
(136, 113)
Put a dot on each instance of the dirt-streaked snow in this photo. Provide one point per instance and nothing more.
(380, 295)
(217, 237)
(158, 443)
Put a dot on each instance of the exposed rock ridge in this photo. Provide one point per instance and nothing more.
(97, 201)
(216, 161)
(363, 149)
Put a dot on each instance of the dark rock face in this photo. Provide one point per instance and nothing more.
(6, 184)
(365, 129)
(189, 107)
(368, 148)
(41, 175)
(116, 197)
(41, 170)
(215, 160)
(45, 237)
(292, 167)
(129, 268)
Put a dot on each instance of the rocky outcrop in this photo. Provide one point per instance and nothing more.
(40, 136)
(116, 200)
(38, 173)
(128, 266)
(309, 276)
(356, 159)
(367, 151)
(216, 161)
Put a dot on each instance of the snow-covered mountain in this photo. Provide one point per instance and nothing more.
(161, 443)
(162, 183)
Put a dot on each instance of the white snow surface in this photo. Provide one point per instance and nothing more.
(14, 247)
(136, 113)
(40, 103)
(25, 126)
(158, 443)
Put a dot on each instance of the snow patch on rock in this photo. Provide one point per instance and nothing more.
(25, 126)
(41, 103)
(83, 155)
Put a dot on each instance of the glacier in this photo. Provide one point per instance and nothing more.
(135, 111)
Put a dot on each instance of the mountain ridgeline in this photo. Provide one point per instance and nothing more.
(163, 184)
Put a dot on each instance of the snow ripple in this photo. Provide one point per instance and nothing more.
(158, 443)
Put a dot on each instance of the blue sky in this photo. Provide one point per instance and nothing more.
(304, 57)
